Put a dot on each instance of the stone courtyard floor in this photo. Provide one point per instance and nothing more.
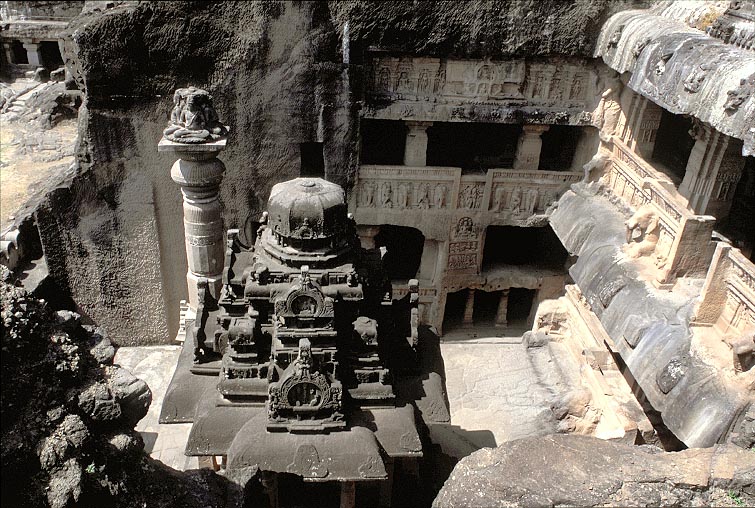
(496, 394)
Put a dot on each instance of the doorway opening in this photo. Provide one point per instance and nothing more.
(403, 254)
(519, 308)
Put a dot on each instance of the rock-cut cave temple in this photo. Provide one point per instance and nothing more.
(384, 235)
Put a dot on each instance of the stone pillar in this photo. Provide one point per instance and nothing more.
(367, 236)
(8, 50)
(386, 487)
(528, 148)
(415, 152)
(32, 53)
(348, 494)
(469, 309)
(644, 128)
(199, 172)
(503, 308)
(713, 168)
(723, 178)
(269, 482)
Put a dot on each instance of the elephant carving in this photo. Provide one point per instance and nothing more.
(643, 232)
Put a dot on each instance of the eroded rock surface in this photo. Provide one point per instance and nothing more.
(575, 470)
(68, 418)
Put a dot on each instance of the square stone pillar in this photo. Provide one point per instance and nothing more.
(503, 308)
(469, 309)
(8, 50)
(199, 172)
(528, 148)
(32, 53)
(415, 152)
(644, 127)
(367, 236)
(712, 173)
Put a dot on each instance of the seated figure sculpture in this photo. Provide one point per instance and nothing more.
(193, 119)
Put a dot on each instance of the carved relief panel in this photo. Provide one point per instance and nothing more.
(479, 81)
(464, 246)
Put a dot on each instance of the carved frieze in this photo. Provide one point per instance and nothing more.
(477, 90)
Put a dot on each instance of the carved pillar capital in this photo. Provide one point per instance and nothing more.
(534, 129)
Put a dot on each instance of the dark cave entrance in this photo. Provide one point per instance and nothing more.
(559, 147)
(520, 307)
(312, 160)
(50, 55)
(474, 147)
(522, 246)
(485, 307)
(454, 310)
(673, 146)
(403, 255)
(19, 53)
(383, 142)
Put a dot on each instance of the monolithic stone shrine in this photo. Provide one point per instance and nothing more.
(377, 254)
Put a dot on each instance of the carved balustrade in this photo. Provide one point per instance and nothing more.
(684, 246)
(519, 194)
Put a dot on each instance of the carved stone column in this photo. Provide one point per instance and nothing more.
(529, 146)
(415, 152)
(503, 307)
(196, 137)
(32, 53)
(199, 172)
(469, 309)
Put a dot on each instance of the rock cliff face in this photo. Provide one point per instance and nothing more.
(570, 470)
(279, 77)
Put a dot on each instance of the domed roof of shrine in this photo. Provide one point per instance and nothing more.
(307, 208)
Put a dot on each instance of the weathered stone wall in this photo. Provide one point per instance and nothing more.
(277, 73)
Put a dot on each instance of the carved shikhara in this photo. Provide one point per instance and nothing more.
(194, 119)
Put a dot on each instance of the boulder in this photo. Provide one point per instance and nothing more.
(585, 471)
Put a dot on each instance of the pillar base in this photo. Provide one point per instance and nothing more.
(214, 284)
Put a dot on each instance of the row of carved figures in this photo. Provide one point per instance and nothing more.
(402, 195)
(547, 83)
(518, 200)
(522, 200)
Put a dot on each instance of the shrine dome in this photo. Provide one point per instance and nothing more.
(307, 209)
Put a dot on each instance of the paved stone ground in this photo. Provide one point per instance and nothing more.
(155, 365)
(494, 388)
